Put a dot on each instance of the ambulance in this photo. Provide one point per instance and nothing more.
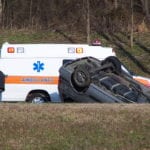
(30, 72)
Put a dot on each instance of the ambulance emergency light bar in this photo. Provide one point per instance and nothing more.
(12, 50)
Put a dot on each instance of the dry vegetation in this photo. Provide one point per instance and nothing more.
(105, 15)
(74, 127)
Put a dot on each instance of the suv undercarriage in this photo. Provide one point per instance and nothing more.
(91, 80)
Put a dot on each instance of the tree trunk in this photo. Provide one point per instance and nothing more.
(132, 25)
(147, 8)
(3, 3)
(116, 4)
(88, 22)
(30, 13)
(0, 11)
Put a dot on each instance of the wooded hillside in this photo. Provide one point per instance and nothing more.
(104, 15)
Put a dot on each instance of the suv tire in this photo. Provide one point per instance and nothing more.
(80, 78)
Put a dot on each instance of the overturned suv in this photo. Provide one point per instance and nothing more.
(91, 80)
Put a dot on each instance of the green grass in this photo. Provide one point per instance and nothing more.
(15, 36)
(136, 58)
(27, 36)
(74, 127)
(141, 57)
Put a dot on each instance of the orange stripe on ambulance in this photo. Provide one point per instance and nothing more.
(31, 80)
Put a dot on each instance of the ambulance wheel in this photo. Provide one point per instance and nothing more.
(37, 98)
(80, 78)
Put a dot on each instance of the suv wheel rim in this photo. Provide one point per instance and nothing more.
(81, 77)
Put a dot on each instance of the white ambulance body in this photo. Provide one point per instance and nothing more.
(32, 70)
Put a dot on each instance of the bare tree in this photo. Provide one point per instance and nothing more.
(0, 11)
(88, 21)
(132, 25)
(146, 5)
(116, 4)
(30, 12)
(3, 12)
(104, 15)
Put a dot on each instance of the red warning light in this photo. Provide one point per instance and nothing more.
(10, 50)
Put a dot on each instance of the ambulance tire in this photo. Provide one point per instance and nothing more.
(80, 78)
(38, 98)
